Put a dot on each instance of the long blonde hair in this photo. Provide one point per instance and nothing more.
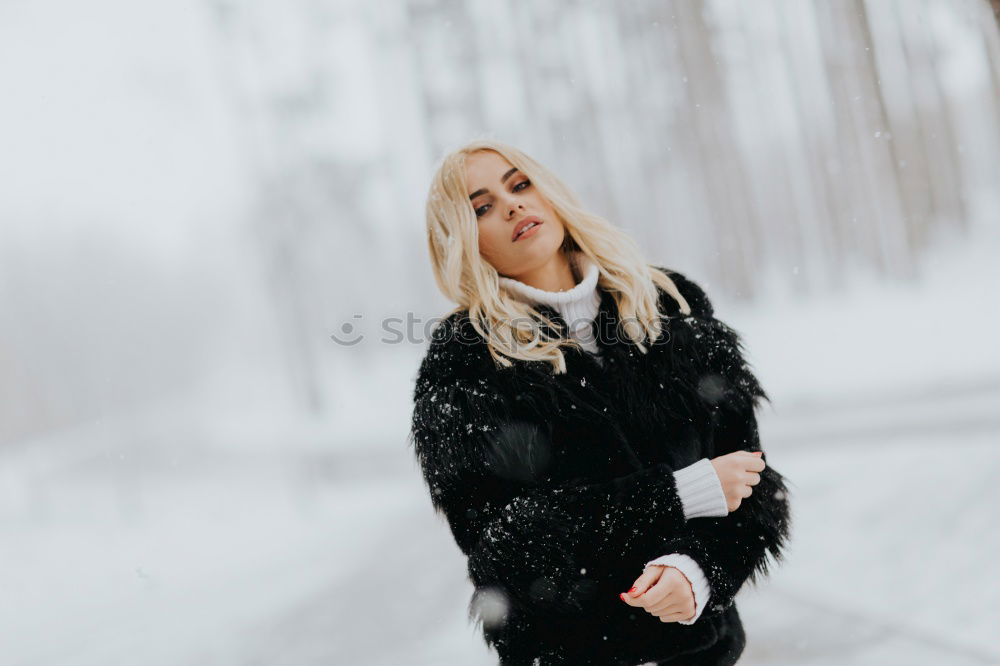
(510, 326)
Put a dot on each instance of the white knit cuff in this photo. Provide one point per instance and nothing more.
(695, 576)
(701, 491)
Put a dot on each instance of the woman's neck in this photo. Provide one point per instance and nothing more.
(583, 289)
(555, 275)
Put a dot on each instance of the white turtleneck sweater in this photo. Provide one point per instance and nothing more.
(577, 306)
(698, 485)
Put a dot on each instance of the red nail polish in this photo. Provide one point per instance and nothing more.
(632, 590)
(622, 596)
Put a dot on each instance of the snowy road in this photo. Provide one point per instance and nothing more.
(891, 561)
(890, 564)
(210, 557)
(881, 571)
(896, 530)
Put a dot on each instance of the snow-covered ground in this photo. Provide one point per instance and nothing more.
(249, 537)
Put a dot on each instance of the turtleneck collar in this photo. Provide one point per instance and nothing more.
(577, 306)
(584, 289)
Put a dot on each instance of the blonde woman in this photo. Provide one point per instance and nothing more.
(587, 428)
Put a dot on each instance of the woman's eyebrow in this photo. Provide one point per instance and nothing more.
(484, 190)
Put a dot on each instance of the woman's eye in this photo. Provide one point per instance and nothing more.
(517, 188)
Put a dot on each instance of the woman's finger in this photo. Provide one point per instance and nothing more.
(656, 594)
(649, 577)
(662, 593)
(664, 606)
(754, 479)
(677, 612)
(672, 618)
(746, 491)
(675, 617)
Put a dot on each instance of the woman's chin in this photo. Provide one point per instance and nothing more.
(542, 244)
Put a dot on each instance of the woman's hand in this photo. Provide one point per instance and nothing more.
(664, 592)
(738, 471)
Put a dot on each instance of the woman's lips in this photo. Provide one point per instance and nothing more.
(531, 224)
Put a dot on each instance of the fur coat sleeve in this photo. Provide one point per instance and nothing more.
(541, 544)
(734, 548)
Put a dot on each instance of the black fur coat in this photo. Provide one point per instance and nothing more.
(558, 488)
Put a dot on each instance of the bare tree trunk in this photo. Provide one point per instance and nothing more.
(895, 240)
(657, 184)
(865, 169)
(780, 193)
(448, 64)
(610, 91)
(991, 44)
(995, 6)
(290, 111)
(908, 136)
(711, 150)
(563, 93)
(823, 246)
(944, 180)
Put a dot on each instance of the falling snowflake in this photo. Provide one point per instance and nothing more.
(491, 605)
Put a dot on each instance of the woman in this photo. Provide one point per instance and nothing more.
(585, 424)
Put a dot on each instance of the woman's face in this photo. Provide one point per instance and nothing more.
(504, 201)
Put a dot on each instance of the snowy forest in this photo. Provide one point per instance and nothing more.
(201, 200)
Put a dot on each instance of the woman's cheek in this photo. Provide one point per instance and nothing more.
(489, 242)
(484, 242)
